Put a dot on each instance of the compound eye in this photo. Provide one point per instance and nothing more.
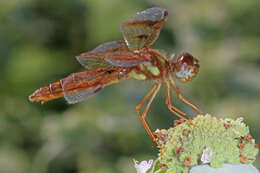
(186, 67)
(184, 72)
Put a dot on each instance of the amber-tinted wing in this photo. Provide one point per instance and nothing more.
(80, 96)
(143, 29)
(126, 59)
(79, 86)
(96, 58)
(110, 54)
(76, 87)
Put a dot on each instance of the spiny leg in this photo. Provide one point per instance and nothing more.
(172, 108)
(138, 107)
(181, 96)
(142, 116)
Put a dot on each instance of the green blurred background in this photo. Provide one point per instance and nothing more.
(39, 40)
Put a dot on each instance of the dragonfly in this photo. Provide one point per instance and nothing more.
(133, 58)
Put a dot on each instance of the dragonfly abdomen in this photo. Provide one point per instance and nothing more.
(46, 93)
(79, 85)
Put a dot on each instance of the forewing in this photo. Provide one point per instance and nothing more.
(96, 58)
(111, 54)
(92, 61)
(126, 59)
(143, 29)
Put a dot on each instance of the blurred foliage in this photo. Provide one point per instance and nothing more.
(38, 40)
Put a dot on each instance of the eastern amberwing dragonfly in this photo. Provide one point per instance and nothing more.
(132, 58)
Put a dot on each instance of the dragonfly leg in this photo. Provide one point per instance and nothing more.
(142, 116)
(182, 98)
(172, 108)
(171, 57)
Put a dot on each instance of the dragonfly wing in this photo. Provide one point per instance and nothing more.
(96, 58)
(80, 96)
(79, 86)
(110, 54)
(126, 59)
(111, 46)
(92, 61)
(143, 29)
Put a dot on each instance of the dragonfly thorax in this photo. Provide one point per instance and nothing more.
(151, 70)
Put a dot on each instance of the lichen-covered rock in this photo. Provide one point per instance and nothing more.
(205, 140)
(230, 168)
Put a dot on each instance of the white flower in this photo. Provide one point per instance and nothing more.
(144, 166)
(240, 119)
(206, 155)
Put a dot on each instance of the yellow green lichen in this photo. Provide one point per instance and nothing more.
(229, 141)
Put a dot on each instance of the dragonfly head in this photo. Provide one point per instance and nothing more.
(186, 67)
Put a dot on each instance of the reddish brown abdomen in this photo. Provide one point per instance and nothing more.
(46, 93)
(80, 82)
